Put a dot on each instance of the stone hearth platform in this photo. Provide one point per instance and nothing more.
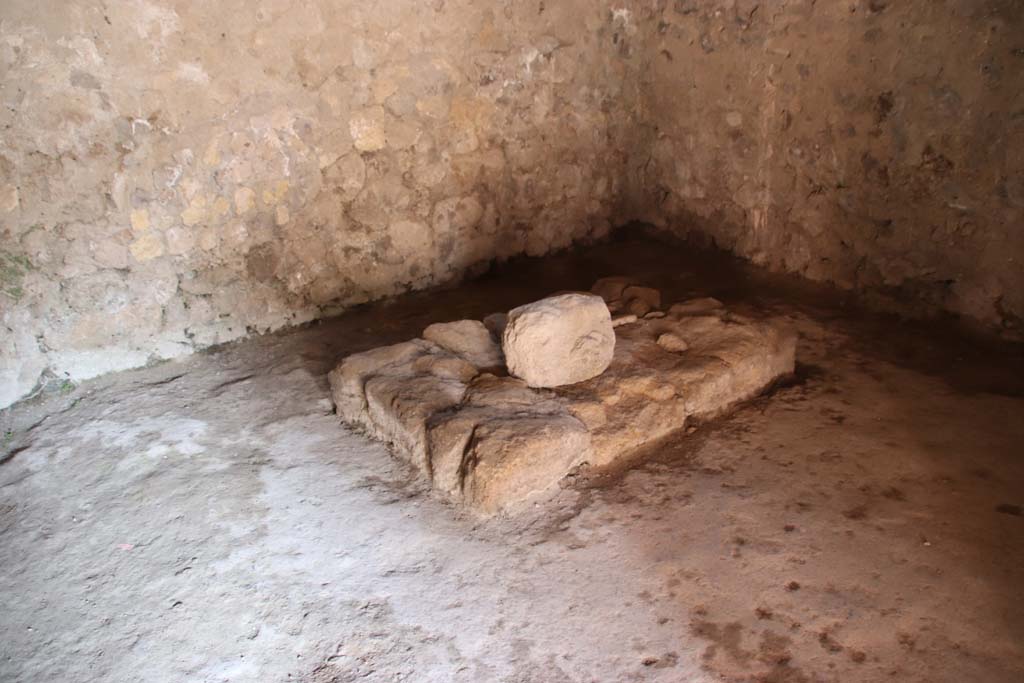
(489, 441)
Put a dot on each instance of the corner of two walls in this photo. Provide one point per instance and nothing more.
(873, 144)
(177, 174)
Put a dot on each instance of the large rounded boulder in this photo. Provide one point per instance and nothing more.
(559, 340)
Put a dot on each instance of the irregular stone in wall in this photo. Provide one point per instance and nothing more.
(147, 247)
(367, 129)
(559, 340)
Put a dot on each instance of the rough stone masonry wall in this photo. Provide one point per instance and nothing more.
(876, 144)
(175, 174)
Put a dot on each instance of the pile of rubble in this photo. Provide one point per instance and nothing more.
(496, 411)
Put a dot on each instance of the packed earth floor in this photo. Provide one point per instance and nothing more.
(211, 519)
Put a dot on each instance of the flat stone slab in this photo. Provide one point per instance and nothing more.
(491, 442)
(469, 339)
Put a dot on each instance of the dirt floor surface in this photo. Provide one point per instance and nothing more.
(211, 520)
